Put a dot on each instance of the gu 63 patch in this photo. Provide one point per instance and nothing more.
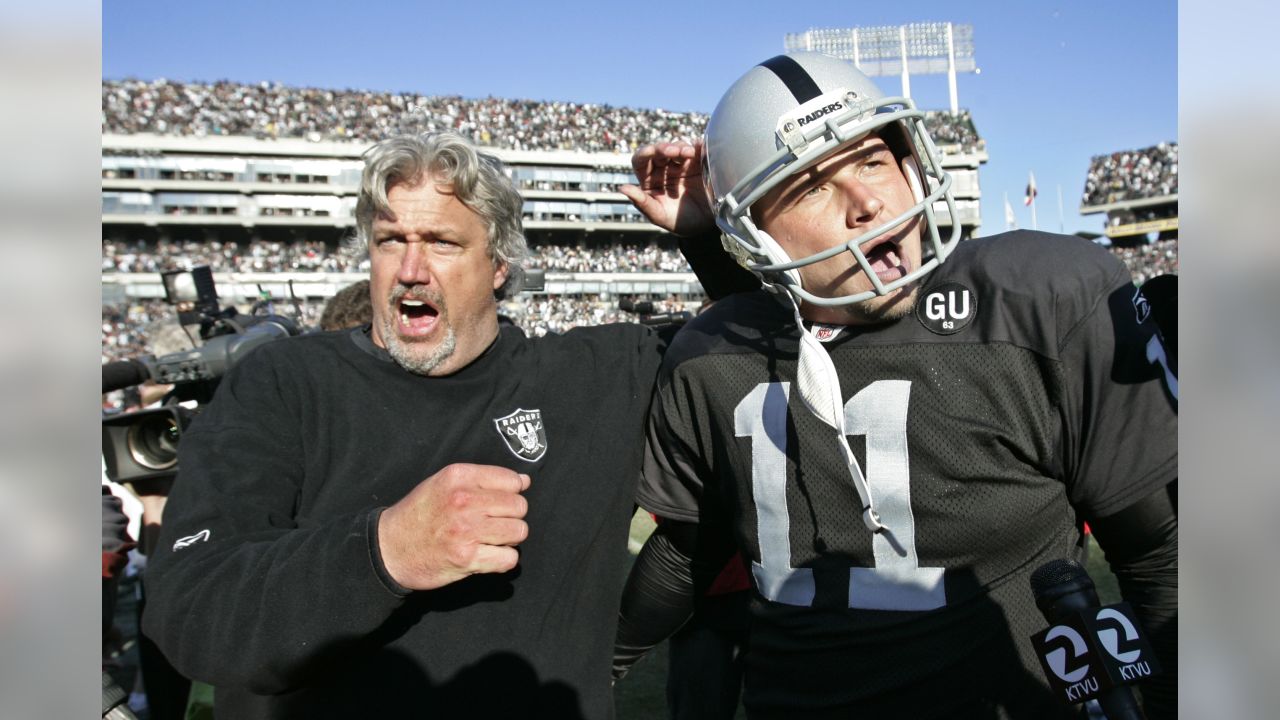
(947, 309)
(524, 434)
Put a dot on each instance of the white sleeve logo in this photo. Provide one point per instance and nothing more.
(1156, 356)
(188, 541)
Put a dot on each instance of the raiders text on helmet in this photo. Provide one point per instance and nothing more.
(790, 112)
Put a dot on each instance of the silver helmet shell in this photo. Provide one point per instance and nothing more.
(790, 112)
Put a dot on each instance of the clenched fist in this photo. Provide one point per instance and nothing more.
(465, 519)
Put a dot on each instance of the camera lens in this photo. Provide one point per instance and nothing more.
(153, 442)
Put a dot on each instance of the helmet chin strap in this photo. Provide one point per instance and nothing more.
(818, 382)
(820, 392)
(777, 255)
(816, 376)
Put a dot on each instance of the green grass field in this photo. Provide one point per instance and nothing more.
(642, 694)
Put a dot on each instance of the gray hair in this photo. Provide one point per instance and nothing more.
(478, 180)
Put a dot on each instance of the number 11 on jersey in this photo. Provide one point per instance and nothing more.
(878, 411)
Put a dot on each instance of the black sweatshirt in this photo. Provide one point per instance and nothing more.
(268, 583)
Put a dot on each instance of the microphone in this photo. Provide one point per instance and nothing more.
(1100, 665)
(124, 373)
(209, 362)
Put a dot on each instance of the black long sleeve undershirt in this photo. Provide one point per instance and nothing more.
(1141, 545)
(719, 274)
(678, 562)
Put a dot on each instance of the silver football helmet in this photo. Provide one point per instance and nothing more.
(786, 114)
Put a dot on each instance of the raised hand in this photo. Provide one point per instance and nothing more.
(671, 193)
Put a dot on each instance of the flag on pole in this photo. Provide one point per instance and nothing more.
(1010, 220)
(1031, 189)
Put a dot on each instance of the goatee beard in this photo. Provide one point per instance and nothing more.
(404, 355)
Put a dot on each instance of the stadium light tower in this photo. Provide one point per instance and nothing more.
(923, 48)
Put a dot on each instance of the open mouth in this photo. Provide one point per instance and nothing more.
(888, 262)
(416, 317)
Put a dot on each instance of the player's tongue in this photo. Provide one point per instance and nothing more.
(884, 258)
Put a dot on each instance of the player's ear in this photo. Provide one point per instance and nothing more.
(500, 271)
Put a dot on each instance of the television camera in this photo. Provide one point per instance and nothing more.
(141, 447)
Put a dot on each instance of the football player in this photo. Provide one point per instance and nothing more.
(898, 427)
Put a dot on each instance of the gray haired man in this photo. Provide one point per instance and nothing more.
(424, 516)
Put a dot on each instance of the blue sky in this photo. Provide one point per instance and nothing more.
(1060, 82)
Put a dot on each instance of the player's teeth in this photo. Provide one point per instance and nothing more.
(412, 303)
(404, 318)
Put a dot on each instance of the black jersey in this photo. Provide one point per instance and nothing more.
(1024, 393)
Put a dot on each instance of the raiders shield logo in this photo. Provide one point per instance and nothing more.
(523, 433)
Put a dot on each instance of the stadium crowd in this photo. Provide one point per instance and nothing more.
(1132, 175)
(314, 256)
(126, 328)
(544, 314)
(615, 259)
(150, 327)
(257, 256)
(1148, 260)
(270, 111)
(131, 329)
(948, 129)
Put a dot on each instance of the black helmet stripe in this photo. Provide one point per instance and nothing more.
(794, 77)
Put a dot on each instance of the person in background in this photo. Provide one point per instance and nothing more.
(349, 307)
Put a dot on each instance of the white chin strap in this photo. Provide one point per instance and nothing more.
(820, 392)
(816, 374)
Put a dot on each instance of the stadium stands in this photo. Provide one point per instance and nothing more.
(1132, 175)
(315, 256)
(1147, 260)
(1138, 191)
(272, 111)
(259, 183)
(956, 130)
(257, 256)
(126, 325)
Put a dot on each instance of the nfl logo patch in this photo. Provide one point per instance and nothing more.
(523, 433)
(826, 333)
